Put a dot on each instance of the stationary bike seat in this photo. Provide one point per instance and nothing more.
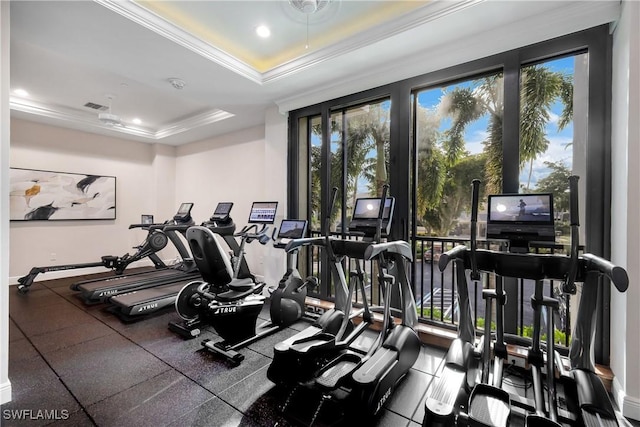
(240, 288)
(241, 285)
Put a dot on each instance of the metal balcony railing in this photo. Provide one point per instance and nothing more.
(435, 292)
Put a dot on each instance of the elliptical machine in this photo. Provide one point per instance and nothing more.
(297, 358)
(488, 404)
(447, 396)
(363, 379)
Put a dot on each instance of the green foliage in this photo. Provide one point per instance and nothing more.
(481, 322)
(455, 199)
(437, 314)
(559, 336)
(557, 182)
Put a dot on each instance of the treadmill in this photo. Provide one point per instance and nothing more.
(135, 305)
(99, 290)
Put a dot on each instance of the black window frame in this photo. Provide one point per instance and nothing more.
(596, 41)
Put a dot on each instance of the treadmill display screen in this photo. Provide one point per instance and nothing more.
(185, 209)
(292, 229)
(184, 213)
(222, 211)
(263, 212)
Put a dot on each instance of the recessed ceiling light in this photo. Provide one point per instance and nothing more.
(136, 121)
(21, 92)
(263, 31)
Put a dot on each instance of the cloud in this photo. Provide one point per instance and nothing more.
(475, 139)
(558, 151)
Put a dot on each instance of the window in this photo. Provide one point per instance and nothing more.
(519, 121)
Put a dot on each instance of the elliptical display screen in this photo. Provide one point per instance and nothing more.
(521, 217)
(365, 215)
(263, 212)
(292, 229)
(222, 211)
(369, 208)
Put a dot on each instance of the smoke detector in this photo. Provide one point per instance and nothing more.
(177, 83)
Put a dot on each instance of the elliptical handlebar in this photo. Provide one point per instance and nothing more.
(615, 273)
(327, 220)
(397, 247)
(451, 255)
(295, 244)
(383, 199)
(569, 285)
(475, 193)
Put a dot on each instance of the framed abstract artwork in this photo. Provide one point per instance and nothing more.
(37, 195)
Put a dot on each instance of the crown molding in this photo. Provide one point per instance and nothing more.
(154, 22)
(91, 122)
(161, 26)
(414, 19)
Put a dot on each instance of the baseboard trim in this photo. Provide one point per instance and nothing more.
(5, 392)
(629, 406)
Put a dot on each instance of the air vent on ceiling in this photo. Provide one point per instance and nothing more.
(96, 106)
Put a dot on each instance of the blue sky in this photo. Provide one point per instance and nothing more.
(477, 131)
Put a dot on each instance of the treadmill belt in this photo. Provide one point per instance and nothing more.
(148, 294)
(132, 280)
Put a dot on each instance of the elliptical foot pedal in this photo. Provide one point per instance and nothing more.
(337, 370)
(489, 407)
(440, 405)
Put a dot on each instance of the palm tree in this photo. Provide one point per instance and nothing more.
(441, 152)
(540, 88)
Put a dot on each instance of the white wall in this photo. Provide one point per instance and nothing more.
(144, 185)
(5, 385)
(241, 167)
(276, 153)
(625, 208)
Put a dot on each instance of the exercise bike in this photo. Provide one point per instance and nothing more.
(233, 313)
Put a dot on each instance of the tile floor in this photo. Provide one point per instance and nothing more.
(85, 367)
